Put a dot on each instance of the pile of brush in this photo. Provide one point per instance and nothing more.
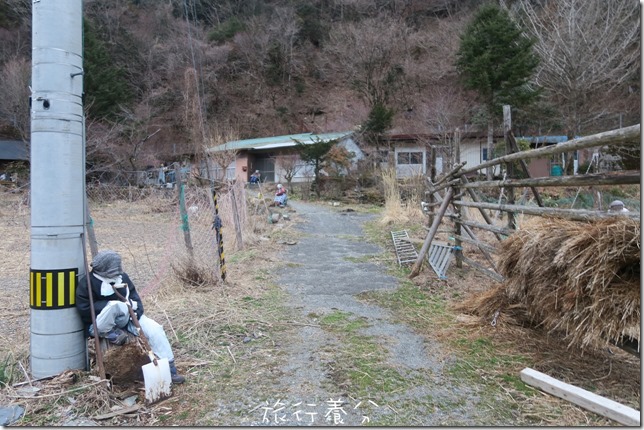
(581, 280)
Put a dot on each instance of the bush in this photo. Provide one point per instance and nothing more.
(226, 30)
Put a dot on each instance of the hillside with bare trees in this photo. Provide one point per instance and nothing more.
(163, 79)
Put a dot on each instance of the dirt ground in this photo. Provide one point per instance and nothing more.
(316, 325)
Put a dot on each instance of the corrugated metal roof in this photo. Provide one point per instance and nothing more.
(278, 141)
(13, 150)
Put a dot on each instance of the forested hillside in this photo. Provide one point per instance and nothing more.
(166, 77)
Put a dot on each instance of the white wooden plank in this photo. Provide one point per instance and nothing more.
(580, 397)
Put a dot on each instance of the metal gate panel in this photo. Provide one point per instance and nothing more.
(439, 257)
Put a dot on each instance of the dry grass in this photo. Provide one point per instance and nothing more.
(396, 211)
(580, 280)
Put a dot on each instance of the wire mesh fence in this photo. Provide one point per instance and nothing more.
(168, 230)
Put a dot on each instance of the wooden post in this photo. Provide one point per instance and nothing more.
(238, 233)
(490, 147)
(476, 199)
(524, 166)
(430, 236)
(185, 225)
(432, 178)
(458, 245)
(509, 166)
(457, 146)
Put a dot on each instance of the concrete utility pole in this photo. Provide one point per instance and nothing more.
(57, 187)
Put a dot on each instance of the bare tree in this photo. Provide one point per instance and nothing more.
(290, 164)
(102, 148)
(221, 159)
(445, 109)
(370, 54)
(14, 93)
(587, 48)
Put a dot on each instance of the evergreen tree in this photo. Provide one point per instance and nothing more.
(104, 84)
(315, 153)
(496, 60)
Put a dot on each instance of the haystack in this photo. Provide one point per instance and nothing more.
(580, 280)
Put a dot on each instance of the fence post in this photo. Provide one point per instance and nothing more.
(432, 177)
(220, 239)
(89, 227)
(432, 232)
(458, 253)
(458, 245)
(238, 232)
(509, 166)
(185, 225)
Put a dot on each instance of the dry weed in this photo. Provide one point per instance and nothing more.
(396, 211)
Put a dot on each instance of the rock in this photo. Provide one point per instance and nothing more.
(10, 414)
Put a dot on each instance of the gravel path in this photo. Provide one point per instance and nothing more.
(326, 274)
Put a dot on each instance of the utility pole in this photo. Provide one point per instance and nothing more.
(57, 341)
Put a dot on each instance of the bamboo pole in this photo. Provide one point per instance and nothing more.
(626, 177)
(488, 227)
(572, 214)
(447, 176)
(483, 270)
(430, 236)
(238, 233)
(476, 242)
(622, 136)
(90, 294)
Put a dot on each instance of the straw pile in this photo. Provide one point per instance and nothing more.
(581, 280)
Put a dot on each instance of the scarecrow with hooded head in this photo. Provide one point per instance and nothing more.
(112, 314)
(617, 206)
(280, 196)
(255, 177)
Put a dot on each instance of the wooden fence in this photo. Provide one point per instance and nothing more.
(458, 188)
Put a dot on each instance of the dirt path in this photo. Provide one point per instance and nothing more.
(380, 372)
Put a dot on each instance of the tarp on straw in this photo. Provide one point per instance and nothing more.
(581, 280)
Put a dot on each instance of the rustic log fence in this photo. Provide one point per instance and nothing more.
(457, 186)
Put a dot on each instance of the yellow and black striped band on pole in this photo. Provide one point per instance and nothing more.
(220, 239)
(52, 289)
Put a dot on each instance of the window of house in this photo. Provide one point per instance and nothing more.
(483, 154)
(410, 158)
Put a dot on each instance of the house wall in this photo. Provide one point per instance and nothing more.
(472, 153)
(410, 160)
(241, 168)
(305, 172)
(539, 167)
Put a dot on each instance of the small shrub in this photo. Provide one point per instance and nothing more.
(226, 30)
